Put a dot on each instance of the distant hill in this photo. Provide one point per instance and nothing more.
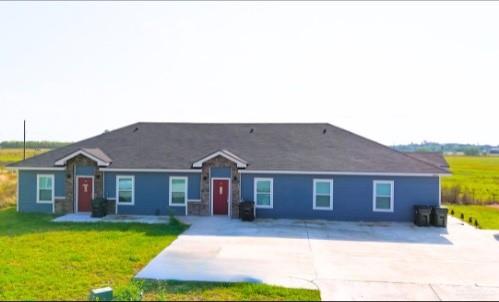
(32, 144)
(467, 149)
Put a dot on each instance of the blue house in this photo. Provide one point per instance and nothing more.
(302, 171)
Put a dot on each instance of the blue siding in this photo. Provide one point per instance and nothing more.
(27, 190)
(352, 197)
(85, 170)
(152, 192)
(220, 172)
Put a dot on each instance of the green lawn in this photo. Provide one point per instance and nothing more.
(202, 291)
(476, 179)
(41, 260)
(488, 217)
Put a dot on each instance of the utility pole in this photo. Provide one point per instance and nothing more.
(24, 141)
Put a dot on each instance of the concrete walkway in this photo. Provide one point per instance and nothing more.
(86, 217)
(346, 261)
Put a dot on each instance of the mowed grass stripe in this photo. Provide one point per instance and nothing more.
(43, 260)
(487, 216)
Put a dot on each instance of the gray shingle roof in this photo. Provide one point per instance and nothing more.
(434, 158)
(292, 147)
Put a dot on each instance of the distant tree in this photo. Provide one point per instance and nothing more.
(472, 151)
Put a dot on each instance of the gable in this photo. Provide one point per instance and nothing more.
(96, 155)
(223, 153)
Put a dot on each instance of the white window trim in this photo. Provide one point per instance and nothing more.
(257, 179)
(171, 192)
(38, 176)
(392, 195)
(331, 192)
(118, 177)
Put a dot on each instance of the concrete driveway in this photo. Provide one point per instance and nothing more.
(346, 261)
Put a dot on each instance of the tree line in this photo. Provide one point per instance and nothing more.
(32, 144)
(467, 149)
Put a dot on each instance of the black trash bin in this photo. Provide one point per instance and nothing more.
(423, 215)
(99, 207)
(247, 210)
(439, 217)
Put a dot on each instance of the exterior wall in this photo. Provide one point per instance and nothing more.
(85, 170)
(27, 190)
(152, 192)
(217, 167)
(352, 197)
(220, 172)
(292, 198)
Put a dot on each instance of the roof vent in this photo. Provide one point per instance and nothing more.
(136, 129)
(252, 130)
(324, 131)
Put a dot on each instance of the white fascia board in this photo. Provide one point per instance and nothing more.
(150, 170)
(36, 168)
(240, 163)
(62, 161)
(339, 173)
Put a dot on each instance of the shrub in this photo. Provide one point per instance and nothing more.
(133, 292)
(7, 188)
(173, 220)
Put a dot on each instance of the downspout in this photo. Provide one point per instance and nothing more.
(439, 191)
(104, 185)
(186, 194)
(75, 205)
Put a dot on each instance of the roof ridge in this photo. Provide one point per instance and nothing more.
(236, 123)
(388, 148)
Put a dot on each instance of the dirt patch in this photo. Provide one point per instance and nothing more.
(495, 206)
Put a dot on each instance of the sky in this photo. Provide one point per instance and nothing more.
(396, 72)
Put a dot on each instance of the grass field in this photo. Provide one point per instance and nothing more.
(42, 260)
(8, 178)
(487, 216)
(475, 179)
(13, 155)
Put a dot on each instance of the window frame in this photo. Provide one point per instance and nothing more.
(118, 177)
(38, 176)
(392, 195)
(170, 189)
(271, 193)
(331, 193)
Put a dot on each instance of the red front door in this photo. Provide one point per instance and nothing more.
(85, 189)
(220, 194)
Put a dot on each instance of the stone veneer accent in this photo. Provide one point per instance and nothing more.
(67, 205)
(203, 208)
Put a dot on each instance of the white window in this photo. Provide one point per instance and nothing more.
(323, 194)
(45, 188)
(125, 190)
(383, 196)
(263, 192)
(178, 191)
